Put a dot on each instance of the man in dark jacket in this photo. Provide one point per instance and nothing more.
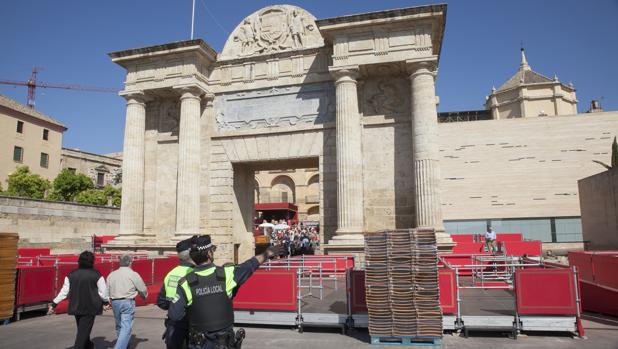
(87, 294)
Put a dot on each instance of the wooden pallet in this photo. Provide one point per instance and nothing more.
(407, 341)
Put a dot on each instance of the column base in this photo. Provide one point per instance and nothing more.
(348, 237)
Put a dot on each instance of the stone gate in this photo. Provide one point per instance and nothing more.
(352, 95)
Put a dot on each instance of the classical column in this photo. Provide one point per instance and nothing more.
(428, 210)
(132, 211)
(349, 159)
(188, 188)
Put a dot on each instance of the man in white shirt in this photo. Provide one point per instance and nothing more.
(124, 285)
(490, 240)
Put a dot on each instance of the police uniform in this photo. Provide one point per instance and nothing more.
(204, 296)
(175, 331)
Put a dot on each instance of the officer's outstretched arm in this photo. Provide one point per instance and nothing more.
(270, 253)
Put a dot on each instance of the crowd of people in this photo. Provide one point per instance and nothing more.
(296, 239)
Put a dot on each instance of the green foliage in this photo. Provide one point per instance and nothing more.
(25, 184)
(92, 197)
(68, 184)
(99, 196)
(114, 193)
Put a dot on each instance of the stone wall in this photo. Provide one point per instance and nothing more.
(598, 196)
(521, 168)
(65, 227)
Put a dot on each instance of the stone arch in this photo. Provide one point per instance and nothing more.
(313, 213)
(283, 189)
(315, 179)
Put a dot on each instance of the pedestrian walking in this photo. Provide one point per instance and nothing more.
(176, 332)
(205, 296)
(87, 293)
(124, 285)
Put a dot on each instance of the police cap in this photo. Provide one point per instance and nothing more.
(183, 245)
(201, 243)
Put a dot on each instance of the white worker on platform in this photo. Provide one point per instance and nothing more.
(490, 240)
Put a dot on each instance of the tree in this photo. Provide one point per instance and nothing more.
(25, 184)
(68, 184)
(100, 197)
(114, 193)
(92, 197)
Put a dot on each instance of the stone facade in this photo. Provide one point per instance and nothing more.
(32, 132)
(103, 170)
(297, 186)
(521, 168)
(287, 91)
(598, 196)
(64, 227)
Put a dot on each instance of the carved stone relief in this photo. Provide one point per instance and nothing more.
(276, 107)
(170, 116)
(386, 92)
(273, 29)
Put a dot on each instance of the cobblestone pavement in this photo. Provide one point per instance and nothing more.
(58, 331)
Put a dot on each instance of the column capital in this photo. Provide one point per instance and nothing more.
(416, 67)
(194, 91)
(209, 99)
(134, 96)
(343, 74)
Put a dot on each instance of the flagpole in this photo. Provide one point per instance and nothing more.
(192, 19)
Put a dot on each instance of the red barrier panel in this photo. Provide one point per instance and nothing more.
(583, 262)
(462, 238)
(509, 237)
(545, 292)
(468, 248)
(153, 292)
(104, 268)
(358, 300)
(605, 268)
(162, 266)
(598, 299)
(144, 268)
(448, 291)
(520, 248)
(62, 271)
(34, 284)
(260, 292)
(33, 252)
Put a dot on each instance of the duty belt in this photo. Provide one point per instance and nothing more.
(226, 339)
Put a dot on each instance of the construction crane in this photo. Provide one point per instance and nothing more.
(33, 84)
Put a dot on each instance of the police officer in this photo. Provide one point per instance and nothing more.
(176, 331)
(205, 296)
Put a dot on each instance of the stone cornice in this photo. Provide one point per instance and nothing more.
(197, 45)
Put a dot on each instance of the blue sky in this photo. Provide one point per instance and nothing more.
(70, 39)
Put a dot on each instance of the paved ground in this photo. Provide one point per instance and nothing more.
(58, 331)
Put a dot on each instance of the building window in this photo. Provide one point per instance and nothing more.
(20, 127)
(100, 179)
(72, 170)
(44, 160)
(45, 134)
(18, 154)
